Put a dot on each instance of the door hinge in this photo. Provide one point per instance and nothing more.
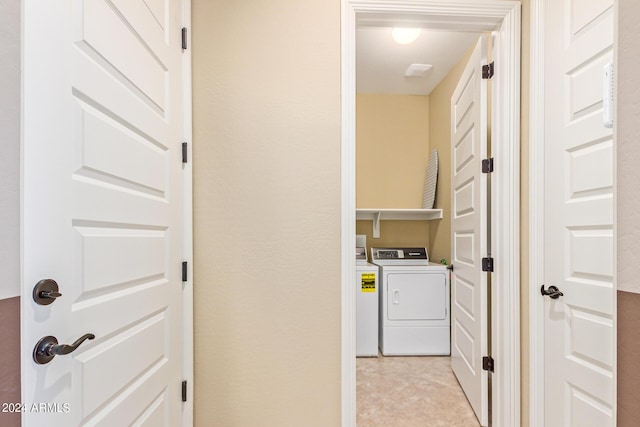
(184, 271)
(487, 264)
(487, 363)
(487, 165)
(184, 152)
(184, 38)
(487, 71)
(184, 391)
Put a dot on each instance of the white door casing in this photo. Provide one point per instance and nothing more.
(578, 329)
(102, 210)
(469, 230)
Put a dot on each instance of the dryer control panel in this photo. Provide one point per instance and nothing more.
(399, 254)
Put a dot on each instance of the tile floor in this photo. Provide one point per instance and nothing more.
(410, 392)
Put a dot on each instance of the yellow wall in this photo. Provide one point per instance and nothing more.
(392, 151)
(407, 234)
(266, 98)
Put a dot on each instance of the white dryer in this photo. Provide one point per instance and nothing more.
(366, 306)
(414, 303)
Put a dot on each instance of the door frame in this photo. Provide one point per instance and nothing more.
(187, 226)
(536, 215)
(503, 18)
(536, 218)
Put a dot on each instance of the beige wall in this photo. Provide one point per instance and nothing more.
(266, 92)
(266, 177)
(392, 151)
(440, 139)
(627, 148)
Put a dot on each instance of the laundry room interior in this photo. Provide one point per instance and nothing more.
(403, 128)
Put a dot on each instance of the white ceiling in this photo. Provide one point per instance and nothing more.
(381, 62)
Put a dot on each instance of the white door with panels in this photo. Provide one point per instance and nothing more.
(102, 213)
(578, 264)
(469, 309)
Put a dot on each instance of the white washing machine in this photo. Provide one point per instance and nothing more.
(414, 303)
(366, 306)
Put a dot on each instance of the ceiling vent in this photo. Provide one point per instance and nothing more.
(417, 70)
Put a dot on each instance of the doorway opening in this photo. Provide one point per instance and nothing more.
(502, 19)
(404, 123)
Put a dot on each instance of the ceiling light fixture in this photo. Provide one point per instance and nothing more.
(405, 35)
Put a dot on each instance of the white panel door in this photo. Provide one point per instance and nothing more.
(102, 122)
(579, 332)
(469, 310)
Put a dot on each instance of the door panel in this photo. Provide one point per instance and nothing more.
(579, 332)
(469, 308)
(102, 209)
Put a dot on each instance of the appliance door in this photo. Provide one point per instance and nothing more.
(416, 296)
